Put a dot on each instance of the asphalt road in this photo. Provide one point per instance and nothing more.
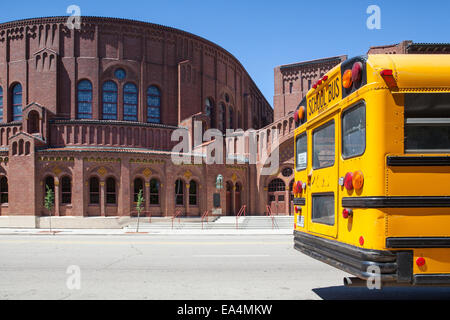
(174, 267)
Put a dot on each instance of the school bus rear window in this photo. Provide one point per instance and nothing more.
(427, 122)
(301, 148)
(354, 131)
(323, 146)
(323, 209)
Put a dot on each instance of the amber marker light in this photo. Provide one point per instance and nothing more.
(347, 79)
(358, 180)
(301, 113)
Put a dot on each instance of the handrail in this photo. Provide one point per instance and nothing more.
(270, 214)
(205, 215)
(243, 211)
(177, 214)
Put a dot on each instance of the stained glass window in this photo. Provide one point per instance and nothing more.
(130, 102)
(110, 100)
(120, 74)
(84, 98)
(153, 105)
(1, 104)
(17, 102)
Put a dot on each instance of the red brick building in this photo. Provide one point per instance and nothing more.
(90, 113)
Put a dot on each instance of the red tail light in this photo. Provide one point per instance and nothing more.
(347, 213)
(420, 262)
(299, 187)
(361, 240)
(357, 72)
(348, 181)
(388, 77)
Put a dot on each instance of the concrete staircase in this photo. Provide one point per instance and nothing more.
(216, 223)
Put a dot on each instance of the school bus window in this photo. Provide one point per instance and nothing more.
(427, 122)
(323, 209)
(323, 146)
(301, 147)
(354, 131)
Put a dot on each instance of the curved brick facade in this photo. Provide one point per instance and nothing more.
(90, 112)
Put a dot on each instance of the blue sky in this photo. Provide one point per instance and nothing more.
(265, 34)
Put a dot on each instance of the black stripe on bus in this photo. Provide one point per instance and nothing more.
(418, 242)
(396, 202)
(418, 161)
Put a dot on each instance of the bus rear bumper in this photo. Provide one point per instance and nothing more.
(393, 267)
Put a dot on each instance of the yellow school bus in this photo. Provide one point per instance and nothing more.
(372, 169)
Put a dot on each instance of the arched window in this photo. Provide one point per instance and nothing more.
(66, 190)
(1, 104)
(231, 115)
(111, 190)
(17, 102)
(3, 189)
(33, 122)
(20, 146)
(223, 118)
(84, 99)
(154, 192)
(94, 190)
(138, 185)
(130, 102)
(277, 185)
(193, 193)
(179, 192)
(153, 105)
(210, 112)
(27, 147)
(49, 183)
(110, 100)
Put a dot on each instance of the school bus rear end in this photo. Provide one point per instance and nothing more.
(398, 222)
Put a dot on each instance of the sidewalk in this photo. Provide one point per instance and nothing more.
(144, 232)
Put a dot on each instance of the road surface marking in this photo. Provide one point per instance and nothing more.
(230, 255)
(42, 241)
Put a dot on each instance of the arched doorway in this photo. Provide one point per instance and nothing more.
(277, 194)
(229, 190)
(291, 198)
(237, 197)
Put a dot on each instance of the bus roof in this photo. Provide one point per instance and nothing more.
(410, 72)
(413, 71)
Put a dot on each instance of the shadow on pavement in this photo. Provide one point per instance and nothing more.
(390, 293)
